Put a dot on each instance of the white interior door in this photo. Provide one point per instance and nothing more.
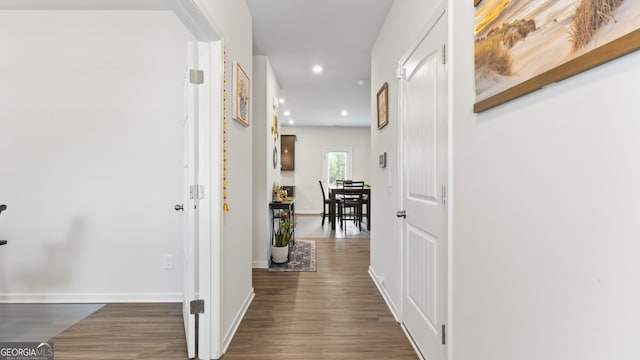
(190, 208)
(423, 109)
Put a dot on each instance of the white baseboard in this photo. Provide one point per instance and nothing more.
(309, 212)
(413, 343)
(394, 310)
(236, 322)
(91, 298)
(387, 299)
(260, 264)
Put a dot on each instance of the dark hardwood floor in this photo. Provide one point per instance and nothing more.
(125, 332)
(333, 313)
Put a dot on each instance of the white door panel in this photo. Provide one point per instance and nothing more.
(190, 210)
(423, 109)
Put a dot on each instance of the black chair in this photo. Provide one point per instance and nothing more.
(326, 203)
(352, 202)
(3, 207)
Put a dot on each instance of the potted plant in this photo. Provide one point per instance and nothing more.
(280, 247)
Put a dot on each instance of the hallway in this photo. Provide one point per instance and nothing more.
(334, 313)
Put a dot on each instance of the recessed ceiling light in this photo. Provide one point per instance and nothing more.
(317, 69)
(281, 100)
(287, 113)
(291, 122)
(344, 113)
(361, 82)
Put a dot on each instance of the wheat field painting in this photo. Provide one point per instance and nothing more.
(517, 40)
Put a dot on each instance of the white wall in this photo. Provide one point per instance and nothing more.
(91, 151)
(264, 173)
(233, 19)
(405, 21)
(310, 145)
(553, 266)
(544, 206)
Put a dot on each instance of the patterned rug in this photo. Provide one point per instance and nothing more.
(302, 258)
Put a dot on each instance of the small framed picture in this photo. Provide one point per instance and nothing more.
(383, 106)
(241, 94)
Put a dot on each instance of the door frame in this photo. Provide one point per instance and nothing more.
(210, 130)
(442, 10)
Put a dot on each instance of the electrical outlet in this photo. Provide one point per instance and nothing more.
(168, 262)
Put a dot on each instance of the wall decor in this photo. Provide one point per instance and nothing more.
(524, 45)
(225, 205)
(241, 94)
(275, 157)
(288, 152)
(274, 127)
(383, 106)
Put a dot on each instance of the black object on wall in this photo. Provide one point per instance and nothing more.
(3, 207)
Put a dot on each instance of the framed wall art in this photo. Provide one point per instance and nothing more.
(241, 95)
(523, 45)
(288, 152)
(383, 105)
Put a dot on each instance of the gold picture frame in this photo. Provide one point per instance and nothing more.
(383, 106)
(241, 95)
(580, 50)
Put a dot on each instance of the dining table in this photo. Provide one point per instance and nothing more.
(335, 192)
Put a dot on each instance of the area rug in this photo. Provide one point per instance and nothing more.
(302, 258)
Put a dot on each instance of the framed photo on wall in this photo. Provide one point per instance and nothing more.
(383, 106)
(524, 45)
(241, 94)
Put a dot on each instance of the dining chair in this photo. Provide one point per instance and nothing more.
(352, 202)
(326, 203)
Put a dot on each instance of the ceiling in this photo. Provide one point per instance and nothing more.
(338, 35)
(295, 35)
(84, 5)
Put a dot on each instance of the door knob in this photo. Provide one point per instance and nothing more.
(401, 214)
(179, 207)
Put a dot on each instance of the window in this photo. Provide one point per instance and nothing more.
(337, 165)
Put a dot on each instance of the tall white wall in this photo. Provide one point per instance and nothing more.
(552, 267)
(405, 21)
(308, 162)
(91, 155)
(544, 203)
(233, 19)
(264, 173)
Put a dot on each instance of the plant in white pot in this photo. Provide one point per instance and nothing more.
(280, 247)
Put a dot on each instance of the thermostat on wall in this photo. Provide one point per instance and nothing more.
(383, 160)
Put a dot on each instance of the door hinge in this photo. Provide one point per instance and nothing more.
(444, 54)
(401, 73)
(196, 307)
(196, 76)
(444, 334)
(196, 192)
(444, 194)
